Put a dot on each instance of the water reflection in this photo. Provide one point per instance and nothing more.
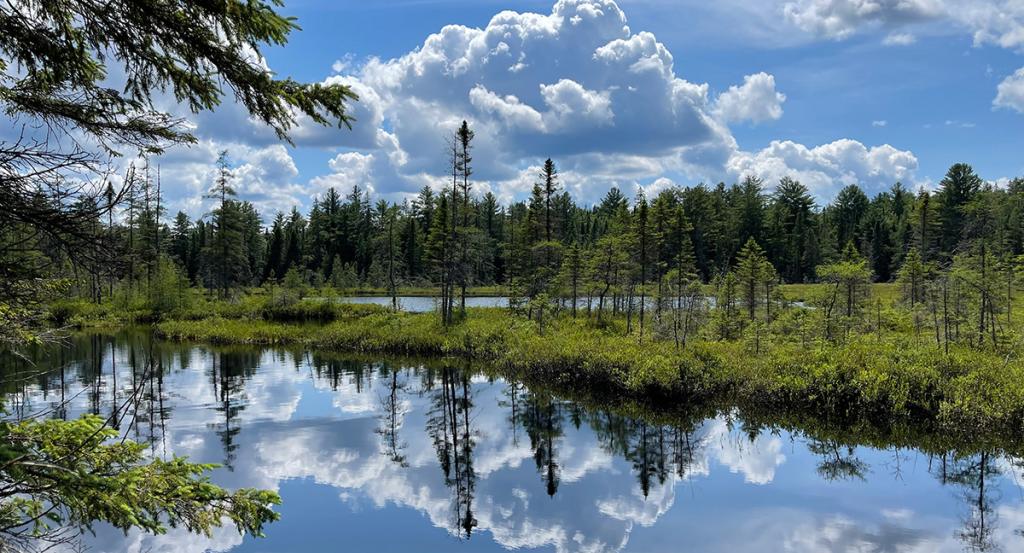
(403, 456)
(423, 304)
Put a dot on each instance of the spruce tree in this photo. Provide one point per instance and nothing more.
(752, 271)
(956, 190)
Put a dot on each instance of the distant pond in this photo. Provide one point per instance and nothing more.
(423, 304)
(391, 455)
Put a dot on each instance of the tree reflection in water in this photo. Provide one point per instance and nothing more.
(449, 427)
(392, 411)
(433, 422)
(543, 423)
(838, 461)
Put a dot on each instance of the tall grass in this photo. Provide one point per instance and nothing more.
(253, 306)
(893, 376)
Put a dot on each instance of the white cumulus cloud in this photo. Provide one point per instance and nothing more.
(827, 168)
(1010, 92)
(577, 84)
(839, 19)
(997, 22)
(756, 100)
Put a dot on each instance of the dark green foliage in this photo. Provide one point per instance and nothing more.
(957, 189)
(847, 213)
(792, 231)
(196, 50)
(76, 473)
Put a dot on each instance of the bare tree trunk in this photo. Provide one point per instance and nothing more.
(984, 297)
(629, 309)
(391, 264)
(575, 283)
(945, 313)
(954, 322)
(689, 314)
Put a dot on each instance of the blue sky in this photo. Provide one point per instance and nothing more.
(638, 93)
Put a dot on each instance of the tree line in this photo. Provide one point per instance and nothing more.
(549, 247)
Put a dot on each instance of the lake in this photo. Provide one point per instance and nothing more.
(392, 455)
(424, 304)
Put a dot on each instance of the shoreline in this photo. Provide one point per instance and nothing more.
(892, 377)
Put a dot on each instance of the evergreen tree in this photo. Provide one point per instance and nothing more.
(752, 271)
(642, 231)
(181, 235)
(848, 212)
(926, 226)
(273, 268)
(439, 251)
(464, 138)
(791, 228)
(750, 209)
(225, 257)
(549, 185)
(849, 277)
(956, 190)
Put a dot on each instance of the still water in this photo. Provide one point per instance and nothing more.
(423, 304)
(402, 456)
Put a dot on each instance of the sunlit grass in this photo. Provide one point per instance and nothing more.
(893, 373)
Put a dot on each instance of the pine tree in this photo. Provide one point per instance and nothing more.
(849, 278)
(273, 268)
(549, 186)
(791, 228)
(180, 236)
(226, 253)
(752, 271)
(848, 212)
(464, 138)
(573, 274)
(253, 243)
(926, 232)
(913, 278)
(956, 190)
(642, 231)
(750, 209)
